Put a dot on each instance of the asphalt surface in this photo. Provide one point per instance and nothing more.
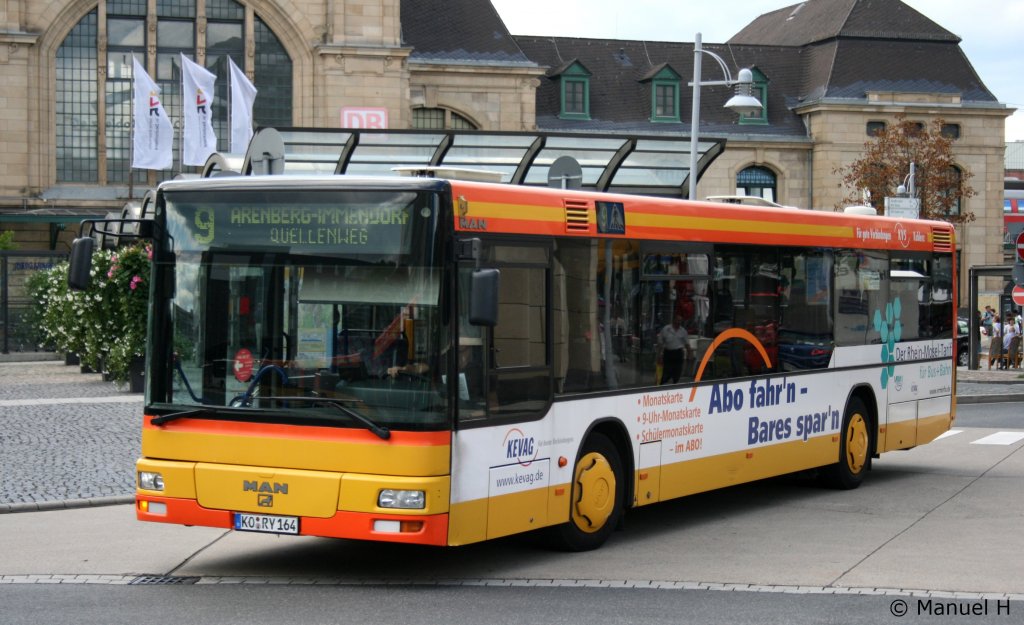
(70, 440)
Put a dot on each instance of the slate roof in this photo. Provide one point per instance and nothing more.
(819, 49)
(620, 87)
(458, 31)
(818, 20)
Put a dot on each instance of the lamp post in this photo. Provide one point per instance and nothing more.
(743, 102)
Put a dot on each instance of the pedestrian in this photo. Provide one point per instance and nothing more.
(672, 341)
(986, 320)
(1011, 342)
(995, 343)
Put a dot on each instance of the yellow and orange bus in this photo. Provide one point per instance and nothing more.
(442, 362)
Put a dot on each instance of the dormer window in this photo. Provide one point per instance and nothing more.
(574, 80)
(664, 93)
(760, 91)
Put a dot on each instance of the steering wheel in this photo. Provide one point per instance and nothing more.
(245, 399)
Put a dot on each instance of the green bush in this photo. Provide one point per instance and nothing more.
(127, 291)
(106, 323)
(36, 289)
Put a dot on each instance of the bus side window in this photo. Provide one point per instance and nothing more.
(805, 328)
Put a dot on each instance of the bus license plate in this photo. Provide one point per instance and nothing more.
(266, 523)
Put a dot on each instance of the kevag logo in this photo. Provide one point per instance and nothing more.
(519, 447)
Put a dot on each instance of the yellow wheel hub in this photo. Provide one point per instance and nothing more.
(595, 493)
(856, 443)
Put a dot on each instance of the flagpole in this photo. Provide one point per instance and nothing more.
(131, 138)
(230, 78)
(181, 122)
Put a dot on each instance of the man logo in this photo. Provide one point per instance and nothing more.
(265, 501)
(252, 486)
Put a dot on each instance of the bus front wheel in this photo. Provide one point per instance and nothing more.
(854, 449)
(596, 499)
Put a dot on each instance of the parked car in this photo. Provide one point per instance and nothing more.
(963, 346)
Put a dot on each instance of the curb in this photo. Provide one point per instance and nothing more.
(68, 504)
(29, 357)
(988, 399)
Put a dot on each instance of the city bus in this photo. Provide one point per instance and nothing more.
(442, 362)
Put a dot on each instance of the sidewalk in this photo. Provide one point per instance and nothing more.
(989, 385)
(70, 439)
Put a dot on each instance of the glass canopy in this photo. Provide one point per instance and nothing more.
(648, 165)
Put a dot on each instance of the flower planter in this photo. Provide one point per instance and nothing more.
(137, 375)
(71, 359)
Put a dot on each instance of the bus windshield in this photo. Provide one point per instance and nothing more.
(300, 306)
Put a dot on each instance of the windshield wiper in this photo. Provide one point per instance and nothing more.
(379, 430)
(174, 416)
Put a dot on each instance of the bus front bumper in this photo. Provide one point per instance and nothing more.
(420, 529)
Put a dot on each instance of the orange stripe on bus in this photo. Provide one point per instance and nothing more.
(304, 432)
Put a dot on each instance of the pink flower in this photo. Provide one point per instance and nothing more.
(135, 282)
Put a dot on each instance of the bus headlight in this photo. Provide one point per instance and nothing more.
(404, 499)
(151, 481)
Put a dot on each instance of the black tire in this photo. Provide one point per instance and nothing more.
(961, 359)
(596, 500)
(854, 449)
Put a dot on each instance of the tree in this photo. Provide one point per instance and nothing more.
(7, 241)
(940, 184)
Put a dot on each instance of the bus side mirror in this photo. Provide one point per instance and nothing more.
(483, 297)
(80, 263)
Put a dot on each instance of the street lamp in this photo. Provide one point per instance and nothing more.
(743, 102)
(907, 186)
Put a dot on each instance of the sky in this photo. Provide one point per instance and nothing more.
(986, 28)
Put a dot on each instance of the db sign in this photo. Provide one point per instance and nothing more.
(363, 117)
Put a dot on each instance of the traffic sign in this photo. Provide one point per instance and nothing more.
(1018, 295)
(1020, 246)
(903, 207)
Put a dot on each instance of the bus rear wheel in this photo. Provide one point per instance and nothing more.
(854, 449)
(596, 499)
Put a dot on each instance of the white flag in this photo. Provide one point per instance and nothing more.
(243, 94)
(197, 102)
(154, 133)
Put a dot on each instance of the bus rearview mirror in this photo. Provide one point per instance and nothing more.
(80, 263)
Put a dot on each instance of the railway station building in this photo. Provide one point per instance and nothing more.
(829, 73)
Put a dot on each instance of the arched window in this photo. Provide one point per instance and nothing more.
(439, 118)
(758, 181)
(83, 117)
